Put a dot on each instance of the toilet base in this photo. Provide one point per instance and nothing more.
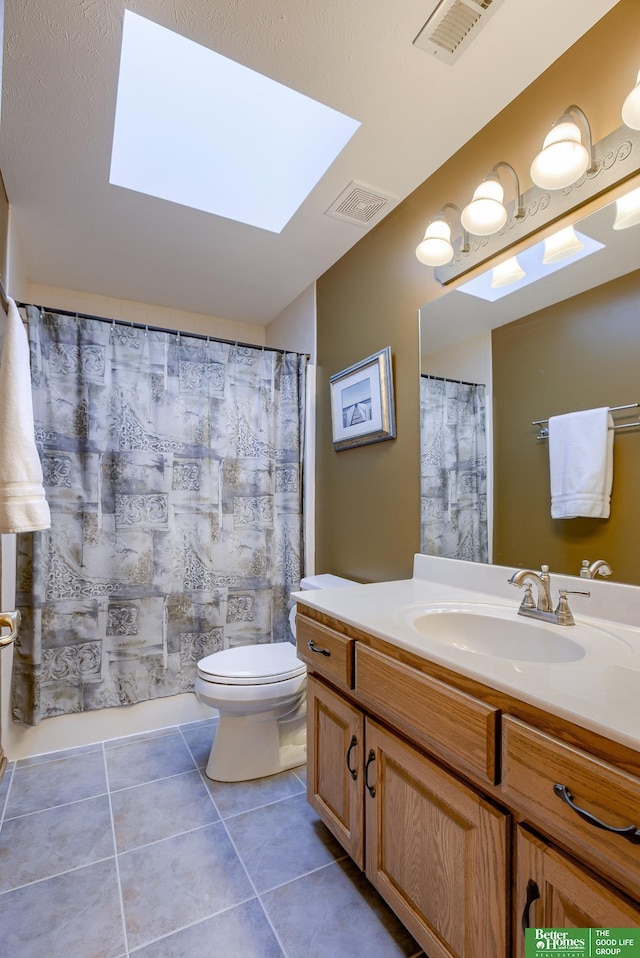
(255, 746)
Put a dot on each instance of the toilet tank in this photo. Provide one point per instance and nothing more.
(326, 581)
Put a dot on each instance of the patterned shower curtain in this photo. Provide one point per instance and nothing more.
(453, 473)
(173, 469)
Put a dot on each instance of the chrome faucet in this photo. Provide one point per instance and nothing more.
(541, 581)
(599, 567)
(543, 607)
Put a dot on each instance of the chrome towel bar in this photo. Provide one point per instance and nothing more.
(544, 432)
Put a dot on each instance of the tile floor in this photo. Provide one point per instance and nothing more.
(126, 848)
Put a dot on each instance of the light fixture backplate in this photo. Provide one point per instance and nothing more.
(616, 159)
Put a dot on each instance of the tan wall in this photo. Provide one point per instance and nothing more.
(368, 497)
(578, 354)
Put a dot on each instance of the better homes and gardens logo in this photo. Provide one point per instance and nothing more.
(582, 942)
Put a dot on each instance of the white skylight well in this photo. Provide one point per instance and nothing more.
(198, 129)
(531, 262)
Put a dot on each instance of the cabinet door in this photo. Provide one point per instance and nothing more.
(436, 851)
(335, 746)
(553, 891)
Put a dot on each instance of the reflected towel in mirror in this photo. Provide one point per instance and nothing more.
(581, 464)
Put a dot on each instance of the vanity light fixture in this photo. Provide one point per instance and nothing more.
(627, 210)
(631, 107)
(564, 157)
(561, 245)
(504, 274)
(436, 249)
(486, 213)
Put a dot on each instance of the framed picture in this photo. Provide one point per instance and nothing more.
(362, 409)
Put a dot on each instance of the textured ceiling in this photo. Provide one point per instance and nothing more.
(59, 87)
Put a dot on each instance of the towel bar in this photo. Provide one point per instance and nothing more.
(544, 432)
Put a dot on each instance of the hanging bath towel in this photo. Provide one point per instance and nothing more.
(23, 506)
(581, 464)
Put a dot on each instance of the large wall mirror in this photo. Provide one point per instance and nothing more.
(568, 341)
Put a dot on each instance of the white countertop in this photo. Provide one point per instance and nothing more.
(600, 691)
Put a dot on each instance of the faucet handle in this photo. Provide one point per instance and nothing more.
(563, 612)
(527, 599)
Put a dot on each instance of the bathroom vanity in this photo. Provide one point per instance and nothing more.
(469, 786)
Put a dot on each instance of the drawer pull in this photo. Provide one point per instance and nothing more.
(630, 832)
(314, 648)
(352, 771)
(371, 788)
(533, 893)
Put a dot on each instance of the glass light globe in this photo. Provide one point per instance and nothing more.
(563, 158)
(486, 213)
(504, 274)
(436, 249)
(561, 245)
(631, 107)
(627, 210)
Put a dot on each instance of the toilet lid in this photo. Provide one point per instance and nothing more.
(252, 664)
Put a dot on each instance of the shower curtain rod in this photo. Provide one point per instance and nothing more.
(446, 379)
(159, 329)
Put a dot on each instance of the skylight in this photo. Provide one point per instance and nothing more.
(534, 269)
(198, 129)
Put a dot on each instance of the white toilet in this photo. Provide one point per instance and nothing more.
(260, 692)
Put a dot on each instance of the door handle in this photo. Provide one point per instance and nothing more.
(9, 620)
(533, 893)
(352, 771)
(314, 648)
(371, 788)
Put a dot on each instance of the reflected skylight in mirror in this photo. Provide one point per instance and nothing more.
(531, 261)
(198, 129)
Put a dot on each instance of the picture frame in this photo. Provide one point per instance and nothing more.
(362, 402)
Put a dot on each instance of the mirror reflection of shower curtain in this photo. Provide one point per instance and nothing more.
(453, 469)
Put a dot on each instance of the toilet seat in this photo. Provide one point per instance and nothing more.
(252, 665)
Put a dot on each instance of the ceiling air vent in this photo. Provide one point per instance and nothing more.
(361, 205)
(453, 25)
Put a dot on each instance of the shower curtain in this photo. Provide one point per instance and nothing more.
(453, 473)
(173, 469)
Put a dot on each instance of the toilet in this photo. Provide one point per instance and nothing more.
(260, 692)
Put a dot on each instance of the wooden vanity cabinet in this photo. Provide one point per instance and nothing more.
(446, 794)
(335, 750)
(434, 848)
(554, 891)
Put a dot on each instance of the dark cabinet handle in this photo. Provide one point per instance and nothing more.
(533, 893)
(314, 648)
(352, 771)
(630, 832)
(371, 788)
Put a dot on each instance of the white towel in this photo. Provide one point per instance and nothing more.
(581, 464)
(23, 506)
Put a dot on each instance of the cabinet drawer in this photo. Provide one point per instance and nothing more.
(533, 762)
(325, 651)
(451, 724)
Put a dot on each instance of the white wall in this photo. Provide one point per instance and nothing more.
(295, 327)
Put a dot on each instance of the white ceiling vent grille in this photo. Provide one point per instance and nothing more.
(361, 205)
(453, 25)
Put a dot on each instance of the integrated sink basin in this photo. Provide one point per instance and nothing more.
(500, 632)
